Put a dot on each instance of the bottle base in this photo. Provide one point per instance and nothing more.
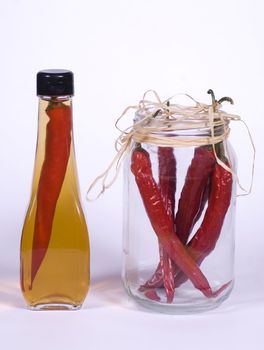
(181, 306)
(54, 306)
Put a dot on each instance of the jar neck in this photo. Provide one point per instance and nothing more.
(197, 126)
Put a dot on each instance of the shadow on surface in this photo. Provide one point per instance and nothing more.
(10, 294)
(108, 291)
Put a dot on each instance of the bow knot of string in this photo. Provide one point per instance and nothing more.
(161, 123)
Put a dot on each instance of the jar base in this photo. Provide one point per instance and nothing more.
(182, 308)
(54, 306)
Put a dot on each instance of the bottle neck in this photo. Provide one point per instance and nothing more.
(55, 138)
(54, 119)
(55, 98)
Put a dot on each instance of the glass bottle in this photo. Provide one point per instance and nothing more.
(54, 250)
(184, 182)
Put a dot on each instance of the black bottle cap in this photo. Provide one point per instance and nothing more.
(55, 82)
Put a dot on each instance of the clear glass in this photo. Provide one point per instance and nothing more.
(54, 249)
(141, 247)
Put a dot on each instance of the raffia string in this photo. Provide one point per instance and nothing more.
(154, 117)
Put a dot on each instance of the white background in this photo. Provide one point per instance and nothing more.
(117, 50)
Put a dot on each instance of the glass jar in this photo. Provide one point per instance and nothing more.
(179, 213)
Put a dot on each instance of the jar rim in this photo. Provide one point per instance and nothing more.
(199, 122)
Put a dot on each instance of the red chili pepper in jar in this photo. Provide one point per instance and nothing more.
(205, 239)
(191, 203)
(193, 195)
(167, 185)
(162, 225)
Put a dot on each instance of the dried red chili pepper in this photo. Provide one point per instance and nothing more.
(192, 196)
(167, 184)
(167, 178)
(152, 294)
(204, 241)
(57, 152)
(191, 204)
(162, 225)
(165, 272)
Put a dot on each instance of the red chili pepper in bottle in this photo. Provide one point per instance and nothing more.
(204, 240)
(57, 151)
(162, 225)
